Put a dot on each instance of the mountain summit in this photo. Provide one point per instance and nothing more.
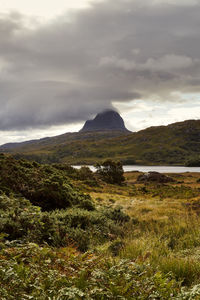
(107, 120)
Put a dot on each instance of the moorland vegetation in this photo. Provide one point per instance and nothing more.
(71, 234)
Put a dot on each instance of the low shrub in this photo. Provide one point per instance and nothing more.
(116, 246)
(20, 220)
(83, 174)
(44, 185)
(34, 272)
(116, 214)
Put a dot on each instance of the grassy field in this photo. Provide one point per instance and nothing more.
(152, 254)
(165, 230)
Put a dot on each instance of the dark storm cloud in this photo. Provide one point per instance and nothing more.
(75, 66)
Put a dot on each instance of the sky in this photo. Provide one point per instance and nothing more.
(62, 62)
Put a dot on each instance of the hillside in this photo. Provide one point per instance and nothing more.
(171, 144)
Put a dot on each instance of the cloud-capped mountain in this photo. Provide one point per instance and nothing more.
(107, 120)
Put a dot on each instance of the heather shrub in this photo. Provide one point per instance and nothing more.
(20, 220)
(43, 185)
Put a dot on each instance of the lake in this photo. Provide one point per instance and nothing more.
(160, 169)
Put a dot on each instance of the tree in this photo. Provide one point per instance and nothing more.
(111, 171)
(193, 162)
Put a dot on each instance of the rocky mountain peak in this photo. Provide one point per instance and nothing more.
(106, 120)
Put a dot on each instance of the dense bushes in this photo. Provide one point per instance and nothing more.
(43, 185)
(49, 188)
(83, 174)
(22, 221)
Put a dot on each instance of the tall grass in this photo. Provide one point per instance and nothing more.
(161, 243)
(185, 269)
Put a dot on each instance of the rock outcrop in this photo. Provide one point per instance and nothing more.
(107, 120)
(154, 177)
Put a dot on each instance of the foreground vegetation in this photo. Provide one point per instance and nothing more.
(133, 240)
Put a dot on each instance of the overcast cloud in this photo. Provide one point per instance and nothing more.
(66, 70)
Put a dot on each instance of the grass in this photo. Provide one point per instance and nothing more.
(186, 270)
(154, 255)
(164, 226)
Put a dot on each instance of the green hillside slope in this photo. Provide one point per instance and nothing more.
(171, 144)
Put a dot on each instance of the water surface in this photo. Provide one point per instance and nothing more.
(160, 169)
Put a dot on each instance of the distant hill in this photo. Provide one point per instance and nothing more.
(107, 120)
(170, 145)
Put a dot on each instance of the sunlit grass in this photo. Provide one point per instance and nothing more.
(165, 232)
